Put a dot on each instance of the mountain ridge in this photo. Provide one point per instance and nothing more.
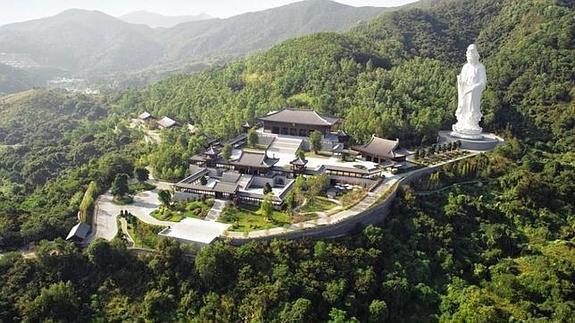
(90, 42)
(156, 20)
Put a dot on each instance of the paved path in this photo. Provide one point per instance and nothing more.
(105, 225)
(104, 222)
(105, 212)
(124, 225)
(216, 210)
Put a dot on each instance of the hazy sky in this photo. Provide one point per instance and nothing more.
(20, 10)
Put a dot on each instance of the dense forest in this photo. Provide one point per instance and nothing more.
(498, 247)
(52, 144)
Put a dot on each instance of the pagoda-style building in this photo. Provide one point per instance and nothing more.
(298, 122)
(379, 150)
(298, 165)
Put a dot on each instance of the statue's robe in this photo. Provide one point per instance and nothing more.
(472, 79)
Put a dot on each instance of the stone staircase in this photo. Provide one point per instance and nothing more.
(216, 210)
(284, 145)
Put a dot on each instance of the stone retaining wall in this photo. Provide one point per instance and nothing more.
(374, 215)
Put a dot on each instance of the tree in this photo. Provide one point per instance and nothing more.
(300, 153)
(267, 188)
(216, 265)
(266, 206)
(252, 137)
(317, 185)
(378, 311)
(227, 151)
(120, 185)
(165, 197)
(203, 180)
(142, 174)
(340, 316)
(157, 305)
(58, 302)
(458, 144)
(315, 141)
(299, 311)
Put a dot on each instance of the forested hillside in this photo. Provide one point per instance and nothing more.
(500, 248)
(52, 144)
(394, 77)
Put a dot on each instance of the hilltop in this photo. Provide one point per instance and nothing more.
(157, 20)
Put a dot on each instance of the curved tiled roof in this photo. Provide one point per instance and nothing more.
(300, 116)
(253, 159)
(379, 147)
(299, 162)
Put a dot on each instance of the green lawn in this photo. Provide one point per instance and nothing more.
(180, 210)
(247, 219)
(165, 214)
(318, 204)
(144, 235)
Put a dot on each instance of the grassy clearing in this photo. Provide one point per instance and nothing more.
(441, 157)
(144, 235)
(352, 197)
(318, 204)
(245, 219)
(164, 214)
(181, 210)
(297, 218)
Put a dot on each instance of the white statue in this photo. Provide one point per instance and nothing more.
(470, 84)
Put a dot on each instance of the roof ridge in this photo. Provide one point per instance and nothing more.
(320, 116)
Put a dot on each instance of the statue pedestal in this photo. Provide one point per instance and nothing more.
(474, 134)
(481, 142)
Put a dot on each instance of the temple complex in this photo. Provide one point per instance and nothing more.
(249, 173)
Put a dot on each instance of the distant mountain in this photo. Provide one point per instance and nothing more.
(82, 41)
(91, 43)
(14, 80)
(246, 33)
(156, 20)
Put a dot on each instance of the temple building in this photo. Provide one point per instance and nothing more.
(379, 150)
(274, 163)
(298, 122)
